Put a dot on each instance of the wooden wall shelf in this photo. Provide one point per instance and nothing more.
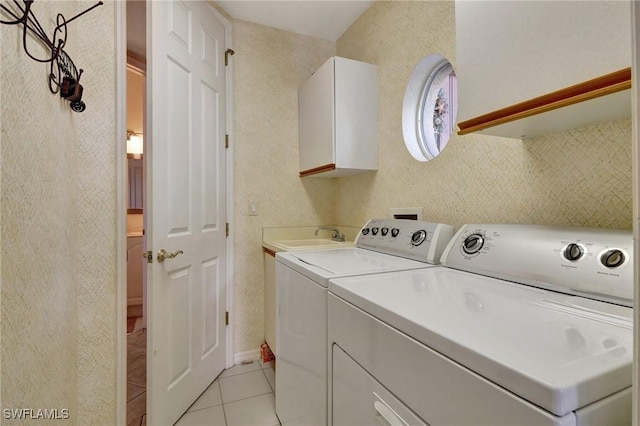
(317, 170)
(608, 84)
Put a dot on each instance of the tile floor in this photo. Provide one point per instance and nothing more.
(241, 396)
(137, 378)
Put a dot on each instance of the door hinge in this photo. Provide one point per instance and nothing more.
(226, 318)
(227, 229)
(226, 141)
(148, 255)
(226, 56)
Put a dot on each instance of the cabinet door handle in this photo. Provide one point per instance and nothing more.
(163, 254)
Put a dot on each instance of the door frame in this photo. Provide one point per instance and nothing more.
(121, 202)
(635, 157)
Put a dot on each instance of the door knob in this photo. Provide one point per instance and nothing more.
(163, 254)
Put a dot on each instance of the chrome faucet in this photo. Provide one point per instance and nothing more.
(336, 235)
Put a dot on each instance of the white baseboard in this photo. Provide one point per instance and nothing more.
(240, 357)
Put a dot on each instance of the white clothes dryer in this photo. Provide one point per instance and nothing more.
(383, 245)
(526, 325)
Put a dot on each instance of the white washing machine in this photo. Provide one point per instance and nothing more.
(383, 245)
(523, 325)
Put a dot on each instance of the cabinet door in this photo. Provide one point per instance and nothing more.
(316, 118)
(356, 115)
(134, 271)
(510, 52)
(270, 302)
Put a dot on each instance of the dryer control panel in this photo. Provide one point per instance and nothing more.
(412, 239)
(594, 263)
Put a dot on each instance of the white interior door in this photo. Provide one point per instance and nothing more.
(187, 214)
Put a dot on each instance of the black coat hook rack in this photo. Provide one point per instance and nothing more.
(64, 77)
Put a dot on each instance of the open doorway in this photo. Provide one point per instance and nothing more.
(136, 221)
(136, 278)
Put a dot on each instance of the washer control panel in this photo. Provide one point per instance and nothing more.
(594, 263)
(413, 239)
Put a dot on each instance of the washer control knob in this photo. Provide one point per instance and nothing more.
(573, 252)
(374, 231)
(394, 232)
(418, 237)
(365, 231)
(613, 258)
(473, 243)
(385, 231)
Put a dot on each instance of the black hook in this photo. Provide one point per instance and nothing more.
(63, 77)
(25, 13)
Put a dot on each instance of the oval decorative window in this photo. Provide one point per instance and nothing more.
(430, 107)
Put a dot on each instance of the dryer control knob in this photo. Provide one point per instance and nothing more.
(365, 231)
(573, 251)
(418, 237)
(385, 231)
(613, 258)
(374, 231)
(473, 243)
(394, 232)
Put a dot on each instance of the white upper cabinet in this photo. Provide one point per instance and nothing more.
(527, 68)
(338, 119)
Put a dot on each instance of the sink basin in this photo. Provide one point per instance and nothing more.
(299, 238)
(308, 243)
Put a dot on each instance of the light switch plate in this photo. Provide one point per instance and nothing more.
(253, 208)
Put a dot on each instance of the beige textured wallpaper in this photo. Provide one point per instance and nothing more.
(580, 177)
(96, 219)
(268, 67)
(57, 229)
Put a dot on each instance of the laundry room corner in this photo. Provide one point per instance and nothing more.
(269, 66)
(579, 177)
